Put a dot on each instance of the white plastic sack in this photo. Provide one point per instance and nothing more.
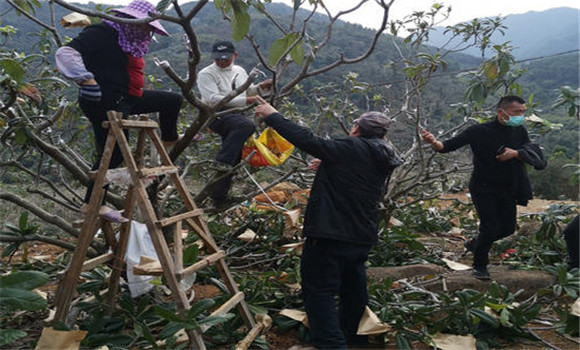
(139, 244)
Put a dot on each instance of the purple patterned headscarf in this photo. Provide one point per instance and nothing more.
(132, 39)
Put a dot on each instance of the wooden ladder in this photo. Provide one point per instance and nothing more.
(170, 267)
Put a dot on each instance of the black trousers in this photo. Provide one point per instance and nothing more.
(234, 130)
(166, 103)
(497, 219)
(329, 268)
(571, 233)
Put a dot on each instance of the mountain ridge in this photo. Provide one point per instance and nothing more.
(533, 34)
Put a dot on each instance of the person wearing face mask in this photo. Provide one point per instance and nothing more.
(106, 61)
(499, 180)
(214, 83)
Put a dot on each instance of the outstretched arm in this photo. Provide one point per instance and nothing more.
(430, 138)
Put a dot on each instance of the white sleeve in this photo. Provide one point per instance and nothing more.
(208, 89)
(70, 64)
(211, 94)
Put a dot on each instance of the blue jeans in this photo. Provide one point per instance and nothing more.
(329, 268)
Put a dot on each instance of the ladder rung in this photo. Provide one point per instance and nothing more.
(94, 262)
(167, 169)
(154, 268)
(245, 343)
(78, 223)
(135, 124)
(150, 267)
(227, 306)
(172, 220)
(202, 264)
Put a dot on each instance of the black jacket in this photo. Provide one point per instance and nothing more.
(344, 198)
(102, 55)
(489, 174)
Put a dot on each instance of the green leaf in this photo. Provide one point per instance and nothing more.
(218, 4)
(402, 342)
(211, 321)
(170, 329)
(199, 307)
(504, 318)
(148, 335)
(163, 5)
(7, 336)
(190, 254)
(167, 314)
(490, 71)
(240, 20)
(13, 68)
(23, 221)
(24, 280)
(21, 299)
(279, 46)
(297, 53)
(20, 137)
(485, 317)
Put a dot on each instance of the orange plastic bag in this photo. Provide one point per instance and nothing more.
(271, 149)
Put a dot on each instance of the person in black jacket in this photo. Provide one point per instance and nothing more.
(106, 61)
(340, 222)
(499, 179)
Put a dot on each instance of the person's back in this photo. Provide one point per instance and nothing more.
(344, 198)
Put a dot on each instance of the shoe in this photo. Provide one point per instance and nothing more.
(481, 273)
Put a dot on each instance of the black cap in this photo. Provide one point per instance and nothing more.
(223, 50)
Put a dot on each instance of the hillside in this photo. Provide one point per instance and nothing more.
(533, 34)
(543, 77)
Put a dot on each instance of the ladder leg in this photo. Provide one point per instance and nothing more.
(67, 286)
(120, 249)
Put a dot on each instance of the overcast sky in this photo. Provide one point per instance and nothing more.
(462, 10)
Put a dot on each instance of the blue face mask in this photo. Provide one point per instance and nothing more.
(515, 120)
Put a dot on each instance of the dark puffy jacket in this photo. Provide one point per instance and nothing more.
(344, 198)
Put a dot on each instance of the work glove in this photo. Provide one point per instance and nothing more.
(90, 93)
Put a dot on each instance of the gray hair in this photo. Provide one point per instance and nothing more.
(373, 124)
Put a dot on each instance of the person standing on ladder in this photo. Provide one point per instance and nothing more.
(106, 61)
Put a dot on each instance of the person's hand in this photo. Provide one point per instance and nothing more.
(314, 164)
(263, 109)
(251, 100)
(430, 138)
(507, 154)
(266, 84)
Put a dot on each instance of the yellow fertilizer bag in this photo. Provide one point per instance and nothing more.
(271, 149)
